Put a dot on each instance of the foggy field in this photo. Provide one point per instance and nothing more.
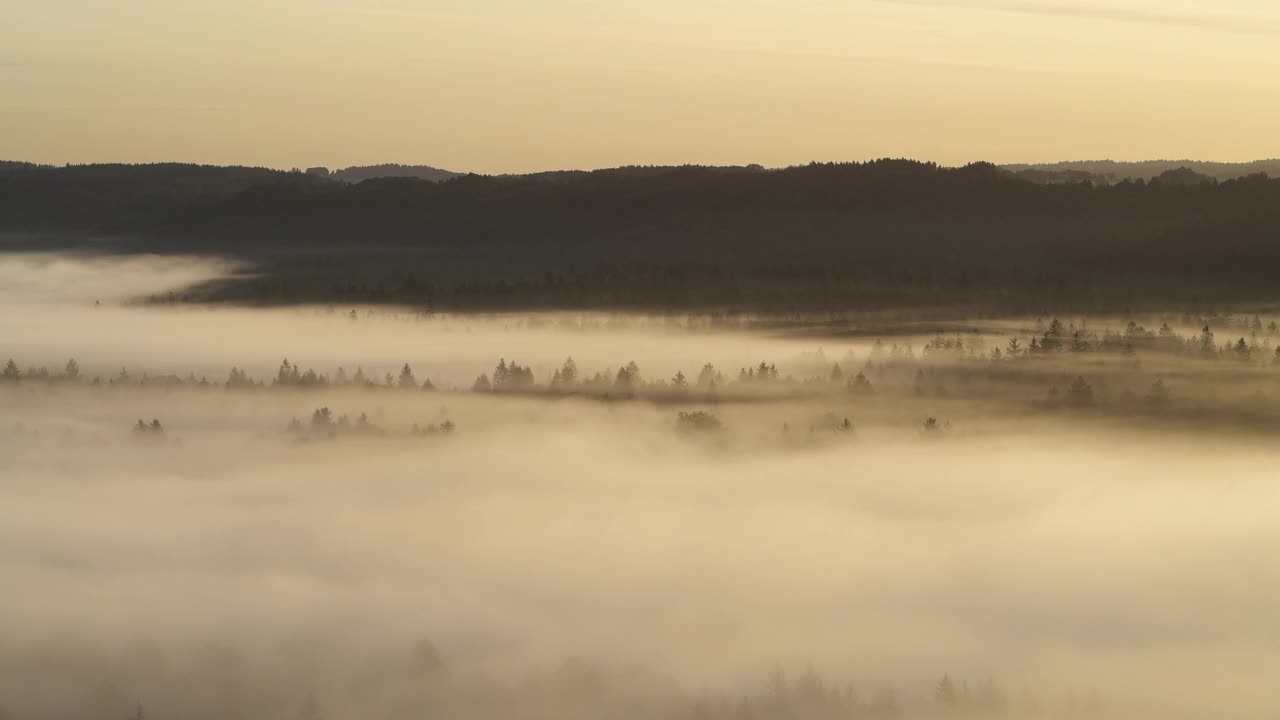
(1085, 530)
(639, 360)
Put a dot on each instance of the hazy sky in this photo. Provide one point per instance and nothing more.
(514, 85)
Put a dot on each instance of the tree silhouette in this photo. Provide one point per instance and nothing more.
(628, 378)
(1053, 336)
(860, 385)
(322, 420)
(1207, 344)
(511, 376)
(288, 374)
(569, 372)
(407, 380)
(237, 378)
(1241, 349)
(1079, 394)
(708, 377)
(698, 421)
(945, 695)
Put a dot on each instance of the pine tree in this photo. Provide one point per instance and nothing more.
(1052, 340)
(1079, 394)
(708, 376)
(501, 374)
(1241, 349)
(407, 380)
(1207, 343)
(284, 375)
(628, 378)
(945, 695)
(569, 372)
(321, 419)
(860, 385)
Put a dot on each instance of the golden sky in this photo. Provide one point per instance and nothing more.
(518, 85)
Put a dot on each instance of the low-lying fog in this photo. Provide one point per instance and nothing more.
(491, 555)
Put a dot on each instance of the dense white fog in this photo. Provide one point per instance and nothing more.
(1085, 565)
(55, 317)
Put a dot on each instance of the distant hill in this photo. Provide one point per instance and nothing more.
(13, 166)
(1112, 171)
(818, 235)
(361, 173)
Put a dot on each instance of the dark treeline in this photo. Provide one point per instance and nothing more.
(370, 172)
(815, 236)
(1108, 171)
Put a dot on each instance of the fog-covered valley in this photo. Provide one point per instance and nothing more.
(215, 512)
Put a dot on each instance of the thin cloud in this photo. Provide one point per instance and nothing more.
(1217, 23)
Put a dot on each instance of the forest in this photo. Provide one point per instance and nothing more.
(825, 236)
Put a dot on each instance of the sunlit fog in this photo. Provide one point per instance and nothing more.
(358, 512)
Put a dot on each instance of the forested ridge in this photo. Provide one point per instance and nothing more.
(825, 234)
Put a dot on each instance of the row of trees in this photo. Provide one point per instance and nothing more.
(323, 424)
(292, 375)
(579, 688)
(736, 238)
(1056, 337)
(627, 382)
(1059, 337)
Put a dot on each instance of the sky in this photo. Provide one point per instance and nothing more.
(521, 85)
